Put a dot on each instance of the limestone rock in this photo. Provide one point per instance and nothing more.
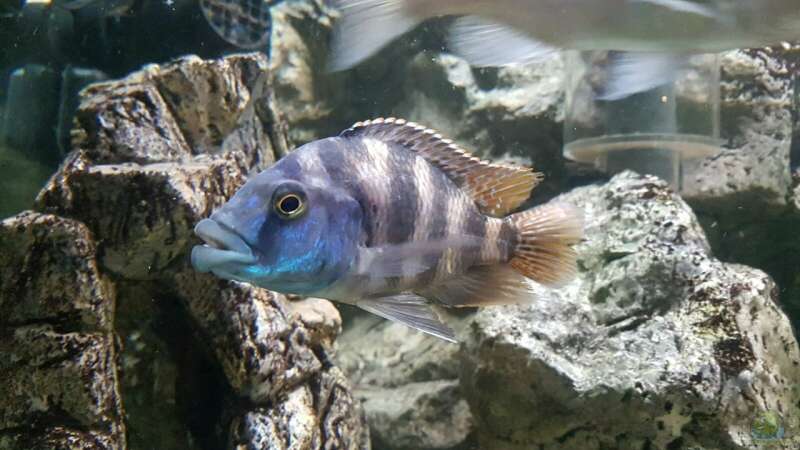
(408, 383)
(270, 357)
(315, 416)
(674, 347)
(319, 317)
(57, 351)
(757, 95)
(744, 196)
(48, 273)
(427, 414)
(155, 153)
(142, 216)
(148, 143)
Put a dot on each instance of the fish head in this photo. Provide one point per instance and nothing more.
(292, 234)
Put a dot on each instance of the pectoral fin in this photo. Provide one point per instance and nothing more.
(483, 286)
(411, 310)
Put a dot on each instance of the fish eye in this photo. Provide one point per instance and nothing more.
(290, 205)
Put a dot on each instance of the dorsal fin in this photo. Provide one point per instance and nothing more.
(497, 189)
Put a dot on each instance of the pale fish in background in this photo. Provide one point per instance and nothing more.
(393, 218)
(656, 36)
(243, 23)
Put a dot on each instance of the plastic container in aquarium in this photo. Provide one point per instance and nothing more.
(663, 131)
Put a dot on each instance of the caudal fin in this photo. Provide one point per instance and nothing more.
(545, 236)
(366, 26)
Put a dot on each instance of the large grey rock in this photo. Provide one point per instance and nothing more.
(57, 350)
(744, 196)
(655, 344)
(674, 347)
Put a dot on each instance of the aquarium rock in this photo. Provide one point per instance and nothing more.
(753, 168)
(58, 352)
(205, 363)
(655, 344)
(408, 383)
(744, 197)
(318, 415)
(514, 113)
(145, 145)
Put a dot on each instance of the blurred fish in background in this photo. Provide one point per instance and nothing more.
(654, 37)
(243, 23)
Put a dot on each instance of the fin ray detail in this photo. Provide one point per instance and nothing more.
(497, 189)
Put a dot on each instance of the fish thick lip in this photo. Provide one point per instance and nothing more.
(222, 246)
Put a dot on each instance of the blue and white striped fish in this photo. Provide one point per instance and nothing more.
(391, 217)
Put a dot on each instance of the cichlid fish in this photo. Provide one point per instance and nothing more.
(243, 23)
(393, 218)
(656, 36)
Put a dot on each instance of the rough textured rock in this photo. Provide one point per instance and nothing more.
(136, 139)
(676, 348)
(743, 196)
(314, 416)
(154, 153)
(656, 344)
(757, 95)
(57, 351)
(142, 216)
(319, 317)
(262, 351)
(408, 382)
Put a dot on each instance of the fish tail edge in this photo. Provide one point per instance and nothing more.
(545, 236)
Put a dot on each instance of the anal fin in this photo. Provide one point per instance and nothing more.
(411, 310)
(483, 286)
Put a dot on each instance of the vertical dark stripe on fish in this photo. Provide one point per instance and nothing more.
(290, 168)
(403, 192)
(506, 241)
(333, 158)
(372, 172)
(475, 229)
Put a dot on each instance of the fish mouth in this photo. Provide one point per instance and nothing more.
(223, 250)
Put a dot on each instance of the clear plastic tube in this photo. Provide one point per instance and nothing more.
(664, 131)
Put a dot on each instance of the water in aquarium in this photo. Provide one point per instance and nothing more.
(399, 224)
